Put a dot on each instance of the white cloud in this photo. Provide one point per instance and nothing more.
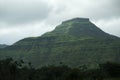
(111, 26)
(23, 11)
(12, 34)
(24, 18)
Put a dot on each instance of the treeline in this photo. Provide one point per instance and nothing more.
(18, 70)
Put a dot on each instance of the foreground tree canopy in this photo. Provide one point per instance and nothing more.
(18, 70)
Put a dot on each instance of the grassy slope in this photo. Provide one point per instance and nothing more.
(74, 43)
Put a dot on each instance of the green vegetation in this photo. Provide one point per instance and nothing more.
(19, 70)
(75, 42)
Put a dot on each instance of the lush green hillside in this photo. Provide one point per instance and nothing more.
(74, 42)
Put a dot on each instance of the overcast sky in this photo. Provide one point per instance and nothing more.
(27, 18)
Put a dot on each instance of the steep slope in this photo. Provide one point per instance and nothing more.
(79, 27)
(75, 42)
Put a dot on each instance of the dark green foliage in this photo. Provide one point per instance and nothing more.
(16, 70)
(112, 69)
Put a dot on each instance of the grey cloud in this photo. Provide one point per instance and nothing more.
(110, 26)
(103, 9)
(52, 13)
(93, 9)
(20, 12)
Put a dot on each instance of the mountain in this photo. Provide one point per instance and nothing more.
(3, 45)
(75, 42)
(78, 27)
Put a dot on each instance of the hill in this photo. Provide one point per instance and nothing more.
(74, 42)
(3, 45)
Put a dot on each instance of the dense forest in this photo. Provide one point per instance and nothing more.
(19, 70)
